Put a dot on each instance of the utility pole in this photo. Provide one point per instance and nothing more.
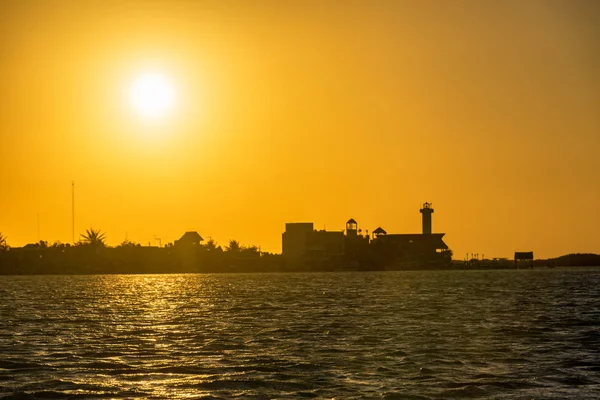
(73, 212)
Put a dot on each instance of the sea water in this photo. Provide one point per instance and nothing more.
(531, 334)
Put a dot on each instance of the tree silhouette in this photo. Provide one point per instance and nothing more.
(253, 251)
(211, 244)
(3, 244)
(42, 244)
(234, 246)
(93, 237)
(447, 255)
(129, 243)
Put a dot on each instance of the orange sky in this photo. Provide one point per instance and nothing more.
(305, 111)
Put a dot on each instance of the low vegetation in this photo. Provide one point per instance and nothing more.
(3, 243)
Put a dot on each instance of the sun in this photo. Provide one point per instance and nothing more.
(151, 95)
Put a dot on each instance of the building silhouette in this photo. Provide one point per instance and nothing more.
(302, 243)
(189, 239)
(187, 248)
(294, 239)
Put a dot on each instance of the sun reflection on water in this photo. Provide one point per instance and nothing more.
(147, 327)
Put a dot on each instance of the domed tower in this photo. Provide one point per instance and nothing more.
(351, 228)
(427, 210)
(379, 232)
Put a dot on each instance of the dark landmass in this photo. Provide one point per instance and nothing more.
(135, 259)
(572, 260)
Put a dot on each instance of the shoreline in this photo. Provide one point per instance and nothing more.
(234, 272)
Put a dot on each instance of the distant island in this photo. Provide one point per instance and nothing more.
(303, 249)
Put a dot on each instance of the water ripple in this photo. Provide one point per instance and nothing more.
(386, 335)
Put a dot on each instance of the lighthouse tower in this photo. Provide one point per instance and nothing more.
(427, 210)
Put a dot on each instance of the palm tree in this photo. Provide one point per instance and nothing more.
(93, 237)
(234, 247)
(3, 244)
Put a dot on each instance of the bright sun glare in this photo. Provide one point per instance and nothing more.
(151, 95)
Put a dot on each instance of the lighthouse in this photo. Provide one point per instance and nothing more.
(427, 210)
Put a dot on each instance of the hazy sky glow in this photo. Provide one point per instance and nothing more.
(304, 111)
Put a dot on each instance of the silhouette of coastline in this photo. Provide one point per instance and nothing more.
(303, 249)
(135, 259)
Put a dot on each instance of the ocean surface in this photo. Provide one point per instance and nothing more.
(514, 334)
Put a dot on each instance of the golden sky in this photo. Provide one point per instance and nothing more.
(304, 111)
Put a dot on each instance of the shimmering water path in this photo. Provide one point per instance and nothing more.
(456, 334)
